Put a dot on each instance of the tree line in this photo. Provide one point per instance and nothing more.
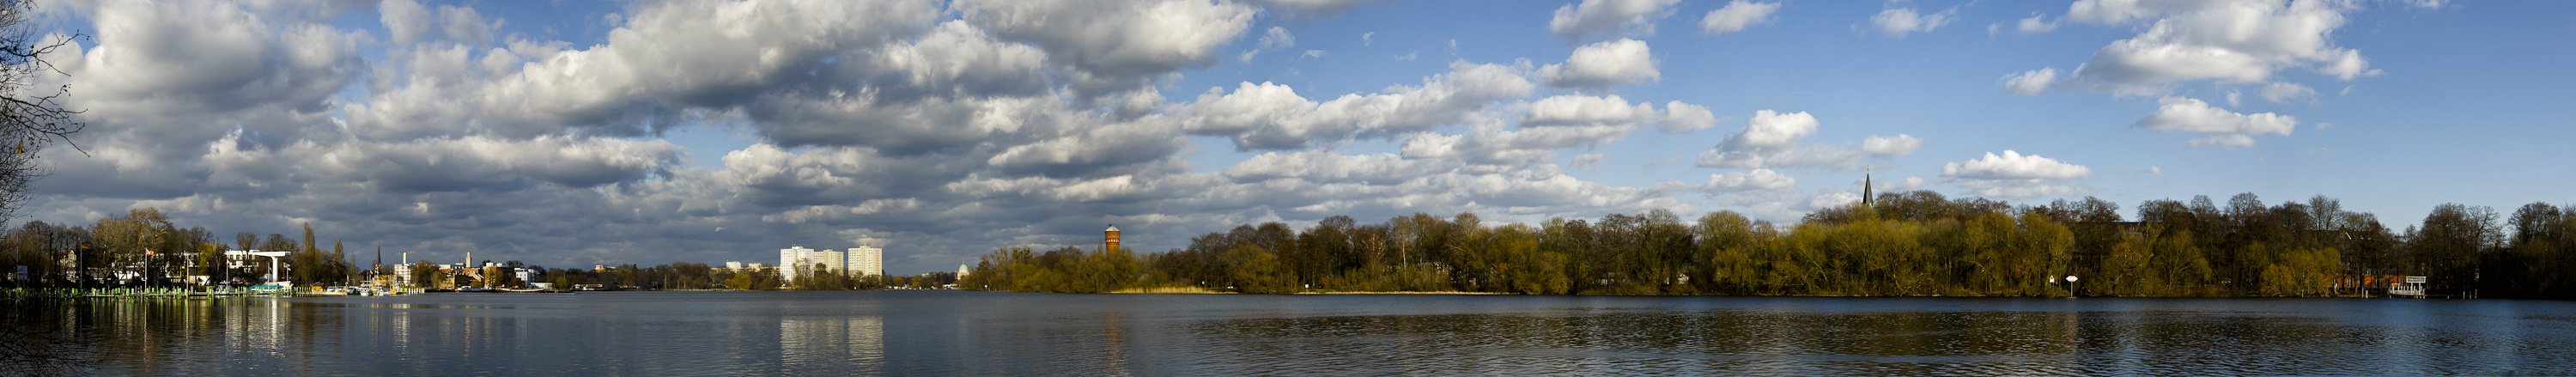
(1915, 243)
(128, 249)
(134, 248)
(700, 276)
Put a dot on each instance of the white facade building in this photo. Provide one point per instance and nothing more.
(831, 260)
(792, 259)
(867, 260)
(857, 262)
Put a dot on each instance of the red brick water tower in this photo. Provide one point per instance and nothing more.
(1109, 238)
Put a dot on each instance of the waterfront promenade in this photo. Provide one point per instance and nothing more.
(27, 293)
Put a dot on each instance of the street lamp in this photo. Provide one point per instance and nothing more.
(2070, 286)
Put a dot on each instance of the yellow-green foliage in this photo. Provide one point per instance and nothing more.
(1066, 270)
(1990, 254)
(1993, 254)
(2300, 272)
(1906, 244)
(2152, 263)
(1258, 271)
(2130, 268)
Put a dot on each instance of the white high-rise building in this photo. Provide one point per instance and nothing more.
(857, 262)
(867, 260)
(792, 259)
(832, 260)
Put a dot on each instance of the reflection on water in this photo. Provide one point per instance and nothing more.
(850, 345)
(975, 333)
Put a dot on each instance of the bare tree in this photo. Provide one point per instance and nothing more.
(35, 342)
(30, 117)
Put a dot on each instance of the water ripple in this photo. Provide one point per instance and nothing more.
(973, 333)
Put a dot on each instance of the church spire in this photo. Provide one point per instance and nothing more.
(1864, 185)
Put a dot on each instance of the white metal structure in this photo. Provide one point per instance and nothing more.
(273, 264)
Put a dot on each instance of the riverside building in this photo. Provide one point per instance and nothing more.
(857, 262)
(793, 259)
(867, 260)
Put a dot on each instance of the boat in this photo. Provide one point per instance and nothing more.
(467, 289)
(2413, 287)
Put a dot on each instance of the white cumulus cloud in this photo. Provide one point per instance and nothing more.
(1273, 40)
(2014, 165)
(1616, 18)
(1115, 46)
(2282, 92)
(2226, 129)
(1274, 116)
(2037, 23)
(408, 22)
(1603, 65)
(1682, 117)
(2030, 82)
(1897, 22)
(940, 129)
(2223, 141)
(1586, 110)
(1770, 129)
(1754, 180)
(1883, 146)
(1581, 110)
(1736, 16)
(2014, 175)
(1773, 140)
(2234, 41)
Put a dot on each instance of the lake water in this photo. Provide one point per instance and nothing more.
(982, 333)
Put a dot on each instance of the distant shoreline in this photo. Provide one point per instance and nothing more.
(1400, 293)
(1186, 290)
(1208, 292)
(1194, 290)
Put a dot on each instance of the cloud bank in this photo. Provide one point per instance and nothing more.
(940, 130)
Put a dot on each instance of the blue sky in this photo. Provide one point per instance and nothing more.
(573, 133)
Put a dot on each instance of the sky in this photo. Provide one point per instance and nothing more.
(571, 133)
